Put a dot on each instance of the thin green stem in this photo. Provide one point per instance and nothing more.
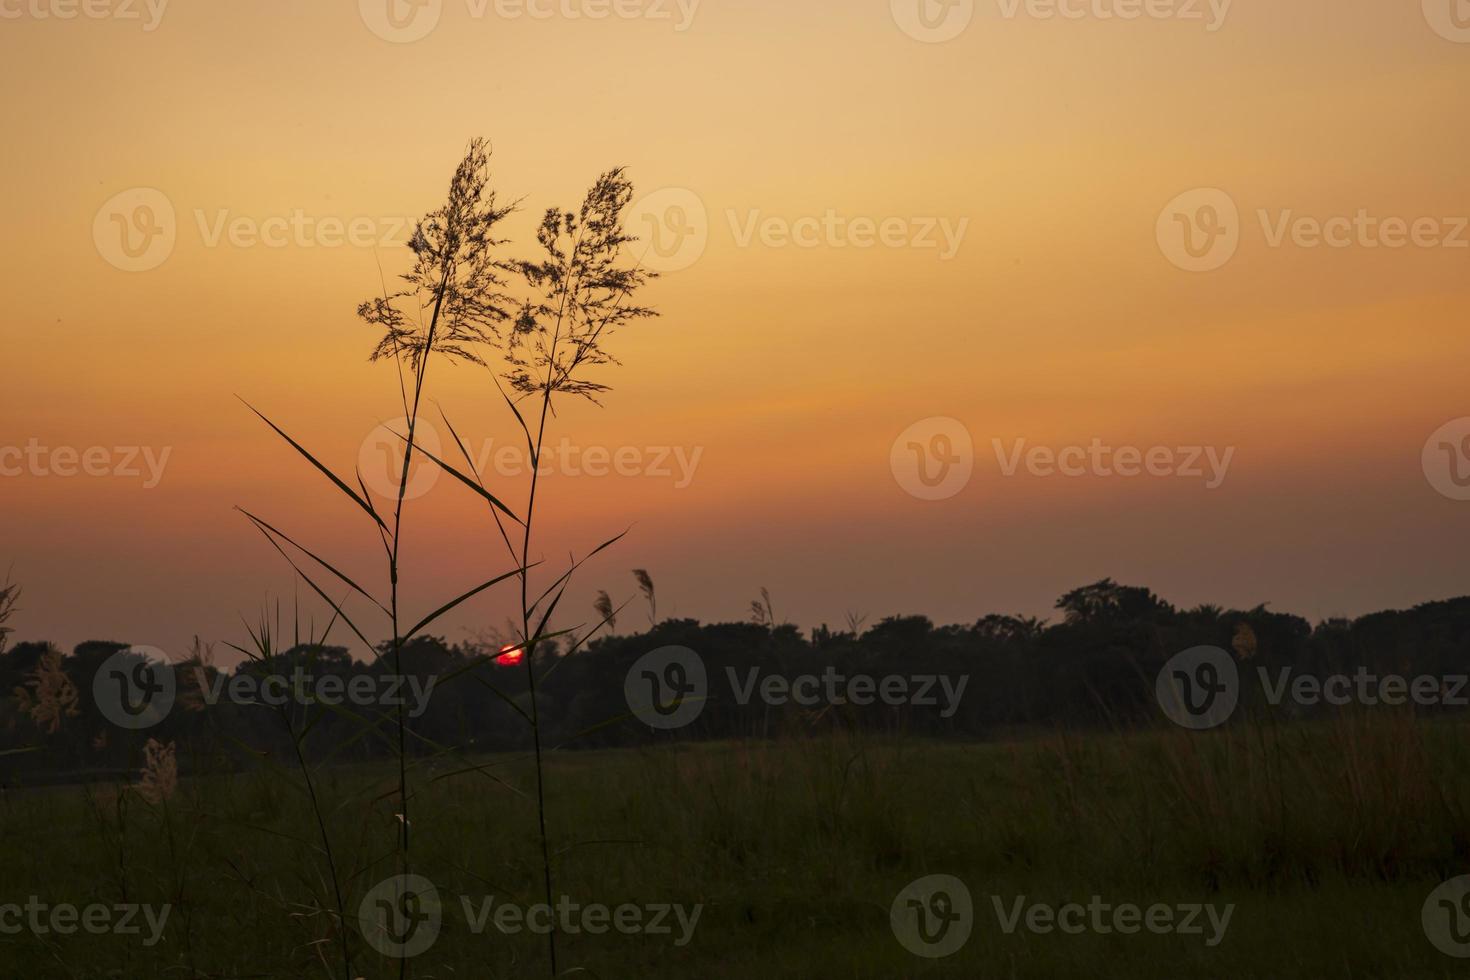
(420, 372)
(530, 642)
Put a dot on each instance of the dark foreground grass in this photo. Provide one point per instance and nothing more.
(1327, 839)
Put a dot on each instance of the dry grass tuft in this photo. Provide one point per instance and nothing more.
(49, 696)
(160, 773)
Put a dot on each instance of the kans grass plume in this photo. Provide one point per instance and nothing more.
(579, 291)
(604, 607)
(452, 300)
(160, 773)
(645, 585)
(49, 696)
(455, 300)
(1244, 641)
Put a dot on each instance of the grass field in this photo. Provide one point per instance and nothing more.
(1326, 838)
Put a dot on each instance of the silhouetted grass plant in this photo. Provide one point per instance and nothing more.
(581, 291)
(9, 596)
(455, 304)
(297, 720)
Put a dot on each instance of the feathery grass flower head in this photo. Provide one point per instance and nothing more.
(456, 280)
(585, 293)
(645, 585)
(160, 772)
(50, 695)
(1244, 641)
(604, 606)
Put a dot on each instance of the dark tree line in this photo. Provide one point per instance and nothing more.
(1093, 667)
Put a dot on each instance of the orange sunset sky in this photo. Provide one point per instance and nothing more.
(1059, 319)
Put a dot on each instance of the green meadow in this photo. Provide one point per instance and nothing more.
(1323, 839)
